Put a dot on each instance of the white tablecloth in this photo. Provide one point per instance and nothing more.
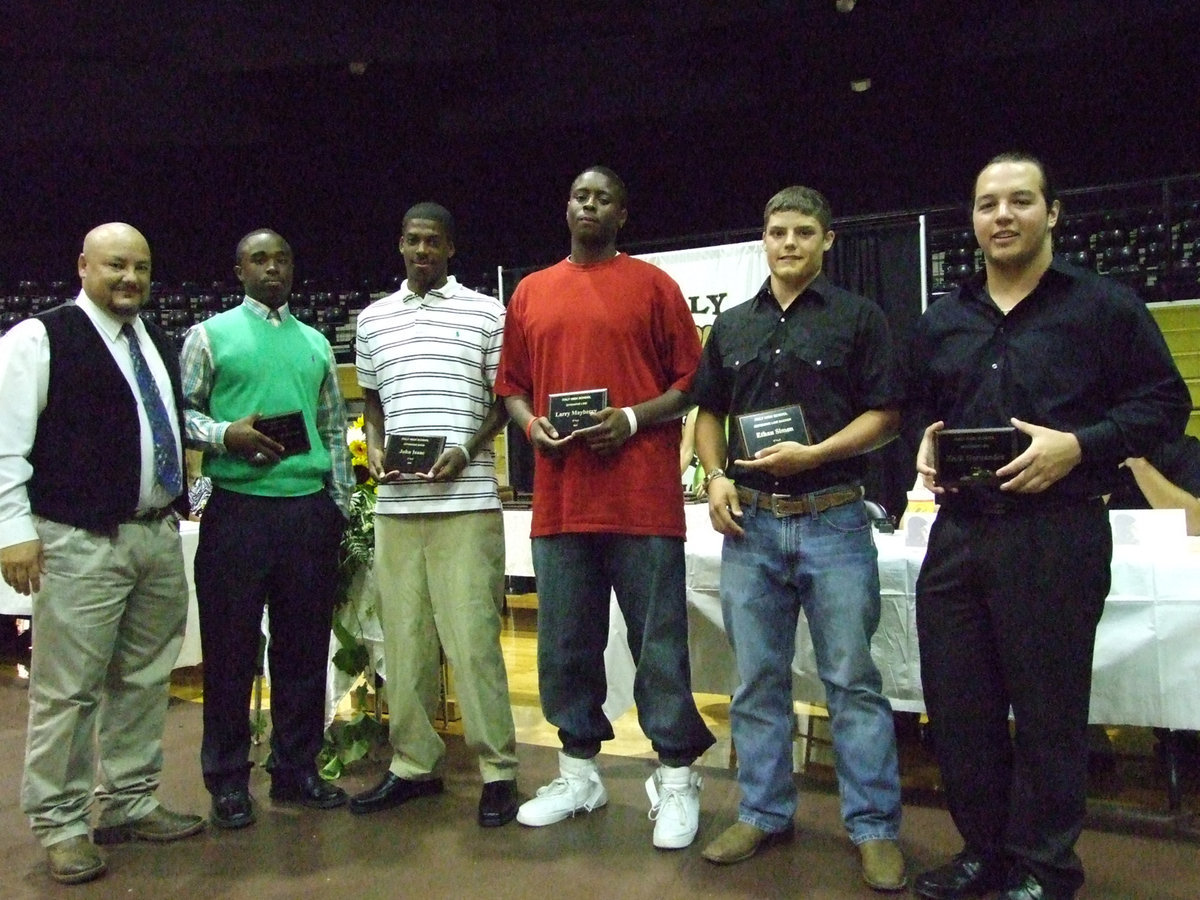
(1146, 668)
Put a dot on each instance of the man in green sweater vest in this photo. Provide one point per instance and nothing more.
(263, 404)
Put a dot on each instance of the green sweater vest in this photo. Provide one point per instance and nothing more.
(270, 369)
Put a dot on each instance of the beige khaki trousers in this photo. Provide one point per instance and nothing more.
(107, 627)
(441, 581)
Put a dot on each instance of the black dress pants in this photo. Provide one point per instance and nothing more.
(1007, 608)
(281, 552)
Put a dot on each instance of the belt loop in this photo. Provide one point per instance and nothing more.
(748, 501)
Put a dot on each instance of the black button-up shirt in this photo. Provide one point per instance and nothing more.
(830, 352)
(1080, 354)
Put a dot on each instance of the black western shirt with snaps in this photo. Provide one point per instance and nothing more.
(1079, 354)
(830, 352)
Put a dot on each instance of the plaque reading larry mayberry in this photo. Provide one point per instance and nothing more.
(412, 453)
(569, 411)
(288, 429)
(971, 456)
(764, 429)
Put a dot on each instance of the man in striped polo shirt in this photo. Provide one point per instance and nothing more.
(426, 359)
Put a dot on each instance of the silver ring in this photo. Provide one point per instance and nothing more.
(258, 457)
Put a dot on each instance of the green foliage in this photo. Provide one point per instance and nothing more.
(347, 742)
(358, 540)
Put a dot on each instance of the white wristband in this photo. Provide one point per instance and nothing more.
(464, 452)
(628, 410)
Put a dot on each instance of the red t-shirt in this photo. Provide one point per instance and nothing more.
(622, 325)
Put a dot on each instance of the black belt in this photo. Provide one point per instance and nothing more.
(800, 504)
(1014, 506)
(151, 515)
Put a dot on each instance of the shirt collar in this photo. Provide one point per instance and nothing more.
(1059, 270)
(263, 311)
(446, 290)
(818, 289)
(108, 324)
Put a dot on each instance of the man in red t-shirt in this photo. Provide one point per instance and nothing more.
(607, 503)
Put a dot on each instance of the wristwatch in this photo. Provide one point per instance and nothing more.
(715, 473)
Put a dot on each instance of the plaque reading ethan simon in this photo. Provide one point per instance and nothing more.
(772, 426)
(411, 453)
(288, 429)
(569, 410)
(971, 456)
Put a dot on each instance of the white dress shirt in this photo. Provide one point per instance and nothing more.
(24, 380)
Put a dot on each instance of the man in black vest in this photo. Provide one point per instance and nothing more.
(83, 385)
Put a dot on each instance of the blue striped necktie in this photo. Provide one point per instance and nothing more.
(166, 453)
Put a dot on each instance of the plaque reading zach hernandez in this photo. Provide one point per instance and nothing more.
(288, 429)
(764, 429)
(971, 456)
(412, 453)
(569, 411)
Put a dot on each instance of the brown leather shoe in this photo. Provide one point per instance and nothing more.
(75, 861)
(160, 826)
(883, 865)
(742, 840)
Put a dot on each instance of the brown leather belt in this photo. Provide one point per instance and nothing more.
(799, 504)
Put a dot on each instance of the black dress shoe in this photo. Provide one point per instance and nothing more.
(392, 791)
(967, 875)
(498, 803)
(313, 791)
(232, 809)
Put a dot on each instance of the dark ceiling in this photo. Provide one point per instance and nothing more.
(199, 121)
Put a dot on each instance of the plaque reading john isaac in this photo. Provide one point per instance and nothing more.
(971, 456)
(288, 429)
(412, 453)
(772, 426)
(569, 411)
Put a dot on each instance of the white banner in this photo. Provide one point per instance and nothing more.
(714, 278)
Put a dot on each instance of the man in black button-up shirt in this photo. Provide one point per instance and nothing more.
(796, 532)
(1016, 573)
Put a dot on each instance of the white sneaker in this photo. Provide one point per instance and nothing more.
(577, 787)
(674, 806)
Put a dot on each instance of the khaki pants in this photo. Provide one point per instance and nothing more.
(107, 627)
(441, 579)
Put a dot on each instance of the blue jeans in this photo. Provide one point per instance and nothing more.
(825, 564)
(575, 575)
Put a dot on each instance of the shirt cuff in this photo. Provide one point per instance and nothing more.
(17, 531)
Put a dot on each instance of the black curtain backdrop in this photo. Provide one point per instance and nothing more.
(883, 262)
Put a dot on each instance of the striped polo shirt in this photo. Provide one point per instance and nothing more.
(433, 360)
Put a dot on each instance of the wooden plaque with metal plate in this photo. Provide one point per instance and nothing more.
(570, 410)
(971, 456)
(412, 453)
(288, 429)
(764, 429)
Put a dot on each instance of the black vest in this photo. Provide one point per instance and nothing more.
(85, 458)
